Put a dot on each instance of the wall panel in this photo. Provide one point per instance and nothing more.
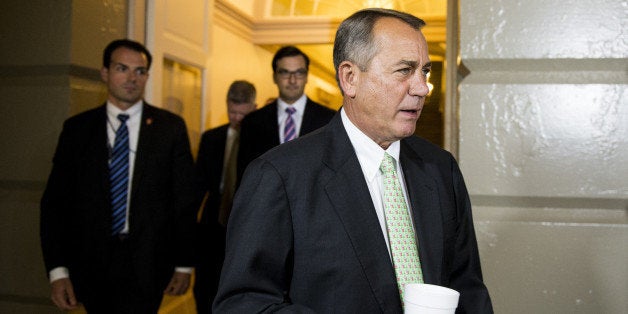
(543, 147)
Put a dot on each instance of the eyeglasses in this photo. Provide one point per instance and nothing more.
(285, 74)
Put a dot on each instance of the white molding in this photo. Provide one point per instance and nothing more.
(233, 19)
(301, 30)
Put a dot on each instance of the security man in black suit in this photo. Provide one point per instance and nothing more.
(216, 175)
(119, 250)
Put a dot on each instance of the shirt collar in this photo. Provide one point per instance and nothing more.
(231, 132)
(370, 155)
(299, 105)
(113, 111)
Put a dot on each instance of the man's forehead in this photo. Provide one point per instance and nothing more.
(394, 35)
(124, 55)
(233, 104)
(291, 61)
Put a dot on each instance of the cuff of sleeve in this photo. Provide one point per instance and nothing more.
(185, 270)
(59, 273)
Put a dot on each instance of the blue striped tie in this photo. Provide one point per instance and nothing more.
(290, 130)
(119, 175)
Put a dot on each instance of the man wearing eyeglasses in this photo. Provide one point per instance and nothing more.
(291, 115)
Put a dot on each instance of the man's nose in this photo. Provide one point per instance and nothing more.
(418, 86)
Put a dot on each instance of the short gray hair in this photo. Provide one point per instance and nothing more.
(354, 38)
(241, 92)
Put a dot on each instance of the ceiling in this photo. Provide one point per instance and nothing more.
(342, 9)
(296, 13)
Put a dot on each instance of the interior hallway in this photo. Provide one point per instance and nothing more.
(534, 107)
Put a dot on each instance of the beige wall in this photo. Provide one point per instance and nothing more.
(235, 58)
(544, 149)
(49, 71)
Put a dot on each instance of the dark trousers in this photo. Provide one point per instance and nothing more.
(119, 290)
(210, 256)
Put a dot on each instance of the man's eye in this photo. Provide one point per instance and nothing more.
(405, 71)
(426, 71)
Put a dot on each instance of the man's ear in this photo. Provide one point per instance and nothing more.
(104, 74)
(348, 78)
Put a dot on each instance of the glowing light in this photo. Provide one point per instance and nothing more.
(430, 86)
(387, 4)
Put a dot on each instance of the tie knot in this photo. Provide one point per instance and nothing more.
(388, 164)
(123, 117)
(290, 110)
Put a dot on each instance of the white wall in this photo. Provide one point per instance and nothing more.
(544, 150)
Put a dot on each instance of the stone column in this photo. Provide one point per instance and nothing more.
(543, 145)
(49, 64)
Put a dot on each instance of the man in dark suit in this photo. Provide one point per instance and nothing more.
(266, 127)
(118, 212)
(312, 230)
(216, 175)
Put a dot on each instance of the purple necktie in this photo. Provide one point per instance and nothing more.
(290, 130)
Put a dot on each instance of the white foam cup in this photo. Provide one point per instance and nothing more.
(429, 299)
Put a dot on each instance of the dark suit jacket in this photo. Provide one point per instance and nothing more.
(76, 211)
(209, 166)
(304, 235)
(259, 131)
(210, 240)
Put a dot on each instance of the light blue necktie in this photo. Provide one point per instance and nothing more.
(290, 130)
(119, 176)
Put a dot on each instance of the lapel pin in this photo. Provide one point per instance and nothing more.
(149, 121)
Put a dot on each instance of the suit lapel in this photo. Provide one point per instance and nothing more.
(306, 122)
(219, 154)
(144, 142)
(349, 195)
(100, 150)
(271, 125)
(426, 214)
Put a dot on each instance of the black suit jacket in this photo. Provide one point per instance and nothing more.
(304, 235)
(76, 211)
(260, 132)
(209, 166)
(210, 240)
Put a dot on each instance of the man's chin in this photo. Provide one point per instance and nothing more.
(407, 132)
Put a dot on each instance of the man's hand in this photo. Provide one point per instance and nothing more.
(63, 294)
(178, 284)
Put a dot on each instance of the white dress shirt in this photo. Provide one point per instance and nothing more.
(297, 116)
(113, 123)
(370, 156)
(133, 125)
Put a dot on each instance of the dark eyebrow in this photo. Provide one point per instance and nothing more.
(126, 66)
(412, 64)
